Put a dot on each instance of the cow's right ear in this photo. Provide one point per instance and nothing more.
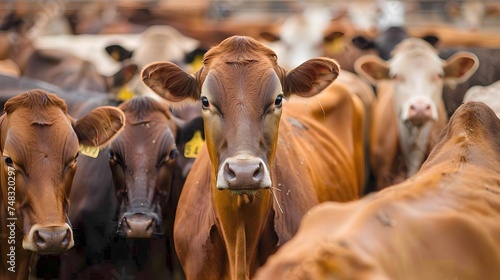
(170, 82)
(372, 68)
(118, 52)
(100, 126)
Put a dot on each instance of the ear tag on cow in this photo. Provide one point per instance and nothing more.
(196, 64)
(336, 46)
(193, 146)
(89, 151)
(124, 94)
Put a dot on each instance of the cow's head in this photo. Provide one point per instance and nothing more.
(302, 36)
(242, 89)
(143, 159)
(40, 144)
(418, 74)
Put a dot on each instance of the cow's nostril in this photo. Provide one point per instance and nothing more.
(258, 174)
(230, 174)
(66, 240)
(39, 241)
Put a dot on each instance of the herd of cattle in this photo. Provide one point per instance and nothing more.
(307, 152)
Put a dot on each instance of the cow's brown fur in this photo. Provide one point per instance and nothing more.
(439, 224)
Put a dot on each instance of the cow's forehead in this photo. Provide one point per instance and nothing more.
(239, 79)
(415, 56)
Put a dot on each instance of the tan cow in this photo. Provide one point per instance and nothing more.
(442, 223)
(40, 146)
(410, 109)
(266, 161)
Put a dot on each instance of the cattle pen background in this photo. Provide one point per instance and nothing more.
(106, 63)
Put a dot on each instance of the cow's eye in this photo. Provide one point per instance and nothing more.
(8, 161)
(204, 102)
(111, 155)
(77, 154)
(279, 101)
(173, 154)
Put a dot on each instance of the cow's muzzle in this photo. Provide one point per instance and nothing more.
(139, 225)
(49, 239)
(243, 173)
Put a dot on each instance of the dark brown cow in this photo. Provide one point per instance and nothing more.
(40, 144)
(148, 180)
(59, 68)
(439, 224)
(257, 145)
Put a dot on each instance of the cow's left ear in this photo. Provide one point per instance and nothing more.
(100, 126)
(171, 82)
(372, 68)
(460, 67)
(311, 77)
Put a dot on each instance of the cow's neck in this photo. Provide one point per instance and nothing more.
(242, 219)
(415, 142)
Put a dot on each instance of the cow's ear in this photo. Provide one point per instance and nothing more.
(118, 52)
(460, 67)
(122, 77)
(363, 43)
(431, 39)
(99, 126)
(311, 77)
(372, 68)
(170, 82)
(269, 36)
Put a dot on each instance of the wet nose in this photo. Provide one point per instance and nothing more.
(419, 113)
(244, 174)
(52, 239)
(139, 226)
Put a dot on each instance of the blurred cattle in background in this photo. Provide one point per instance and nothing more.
(156, 43)
(487, 73)
(313, 32)
(59, 68)
(253, 181)
(438, 224)
(410, 113)
(471, 14)
(487, 94)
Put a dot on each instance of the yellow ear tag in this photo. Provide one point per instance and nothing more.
(336, 46)
(193, 146)
(89, 151)
(124, 94)
(196, 64)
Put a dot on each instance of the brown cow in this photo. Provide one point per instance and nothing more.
(410, 111)
(257, 146)
(439, 224)
(40, 144)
